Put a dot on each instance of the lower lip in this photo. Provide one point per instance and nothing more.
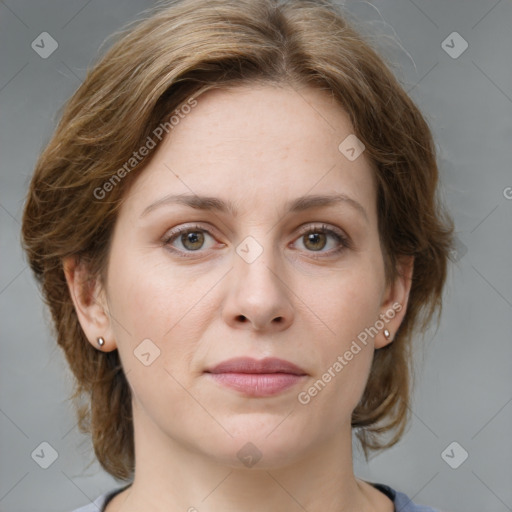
(258, 384)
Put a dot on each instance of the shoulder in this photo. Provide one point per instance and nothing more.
(401, 501)
(98, 505)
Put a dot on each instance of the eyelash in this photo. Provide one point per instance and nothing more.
(340, 238)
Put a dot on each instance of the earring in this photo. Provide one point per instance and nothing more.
(101, 342)
(387, 334)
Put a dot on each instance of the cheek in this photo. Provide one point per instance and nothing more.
(347, 305)
(160, 309)
(156, 332)
(148, 296)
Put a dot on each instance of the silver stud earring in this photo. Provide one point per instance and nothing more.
(101, 342)
(387, 334)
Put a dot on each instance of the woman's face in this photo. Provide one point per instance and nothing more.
(244, 280)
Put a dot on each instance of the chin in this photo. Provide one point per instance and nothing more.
(259, 445)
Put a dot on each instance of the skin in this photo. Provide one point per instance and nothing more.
(258, 146)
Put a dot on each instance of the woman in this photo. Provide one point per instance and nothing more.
(237, 231)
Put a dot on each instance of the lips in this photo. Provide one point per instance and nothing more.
(257, 378)
(254, 366)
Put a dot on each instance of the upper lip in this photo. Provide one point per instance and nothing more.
(249, 365)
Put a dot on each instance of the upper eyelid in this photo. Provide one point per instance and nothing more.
(302, 230)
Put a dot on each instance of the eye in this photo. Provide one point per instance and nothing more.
(188, 238)
(316, 238)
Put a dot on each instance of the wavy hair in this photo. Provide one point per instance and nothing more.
(154, 67)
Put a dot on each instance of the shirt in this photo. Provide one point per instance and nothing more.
(401, 501)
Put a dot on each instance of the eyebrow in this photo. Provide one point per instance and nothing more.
(214, 203)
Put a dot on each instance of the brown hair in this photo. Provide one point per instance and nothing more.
(183, 49)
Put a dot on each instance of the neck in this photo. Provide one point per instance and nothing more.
(171, 476)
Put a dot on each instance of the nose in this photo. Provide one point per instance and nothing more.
(258, 298)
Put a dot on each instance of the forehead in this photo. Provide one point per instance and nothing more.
(257, 144)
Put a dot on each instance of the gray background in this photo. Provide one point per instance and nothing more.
(464, 391)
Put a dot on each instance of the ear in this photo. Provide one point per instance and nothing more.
(90, 303)
(394, 304)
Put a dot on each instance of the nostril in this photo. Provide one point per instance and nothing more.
(242, 318)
